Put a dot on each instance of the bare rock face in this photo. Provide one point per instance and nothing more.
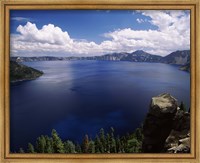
(178, 145)
(159, 123)
(178, 140)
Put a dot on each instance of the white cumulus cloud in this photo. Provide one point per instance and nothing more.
(49, 39)
(48, 34)
(172, 33)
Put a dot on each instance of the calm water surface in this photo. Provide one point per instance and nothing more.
(80, 97)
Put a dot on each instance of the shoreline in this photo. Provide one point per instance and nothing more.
(21, 80)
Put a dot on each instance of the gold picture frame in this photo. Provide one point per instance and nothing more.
(7, 5)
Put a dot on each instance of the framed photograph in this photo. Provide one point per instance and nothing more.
(99, 81)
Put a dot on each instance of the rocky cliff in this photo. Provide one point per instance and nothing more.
(166, 127)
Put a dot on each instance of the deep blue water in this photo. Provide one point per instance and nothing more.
(80, 97)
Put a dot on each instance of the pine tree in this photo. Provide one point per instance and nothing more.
(49, 145)
(133, 146)
(108, 137)
(97, 144)
(30, 148)
(85, 144)
(112, 132)
(58, 145)
(182, 106)
(138, 134)
(113, 146)
(69, 147)
(41, 144)
(91, 147)
(102, 139)
(78, 148)
(124, 144)
(112, 141)
(118, 145)
(21, 150)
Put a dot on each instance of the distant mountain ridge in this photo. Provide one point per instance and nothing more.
(180, 58)
(177, 57)
(137, 56)
(32, 59)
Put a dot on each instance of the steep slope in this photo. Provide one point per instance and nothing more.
(21, 72)
(141, 56)
(177, 58)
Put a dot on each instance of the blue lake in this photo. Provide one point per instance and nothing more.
(80, 97)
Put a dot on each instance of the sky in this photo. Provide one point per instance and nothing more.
(66, 33)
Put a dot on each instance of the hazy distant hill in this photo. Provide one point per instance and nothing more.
(137, 56)
(181, 58)
(142, 56)
(20, 72)
(32, 59)
(177, 57)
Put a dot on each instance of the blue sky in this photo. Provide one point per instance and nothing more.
(82, 24)
(97, 32)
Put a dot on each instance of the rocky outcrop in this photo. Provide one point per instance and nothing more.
(166, 127)
(178, 140)
(185, 67)
(158, 123)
